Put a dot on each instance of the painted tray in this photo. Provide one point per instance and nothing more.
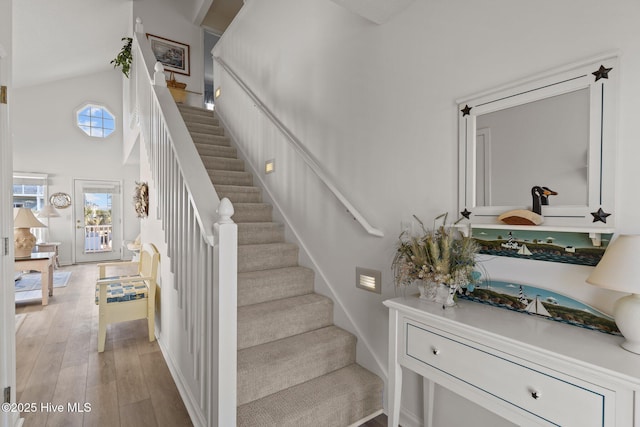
(541, 302)
(563, 247)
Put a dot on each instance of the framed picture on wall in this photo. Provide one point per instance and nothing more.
(172, 54)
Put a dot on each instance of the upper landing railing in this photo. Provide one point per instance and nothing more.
(302, 151)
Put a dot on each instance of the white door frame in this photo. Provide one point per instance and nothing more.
(78, 220)
(7, 289)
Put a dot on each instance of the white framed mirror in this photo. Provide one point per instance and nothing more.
(556, 130)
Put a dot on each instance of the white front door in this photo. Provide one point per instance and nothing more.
(98, 220)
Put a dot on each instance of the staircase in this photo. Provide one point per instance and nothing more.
(295, 368)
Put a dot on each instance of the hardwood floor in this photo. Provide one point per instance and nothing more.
(58, 364)
(379, 421)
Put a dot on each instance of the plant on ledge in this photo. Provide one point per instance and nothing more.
(124, 58)
(436, 259)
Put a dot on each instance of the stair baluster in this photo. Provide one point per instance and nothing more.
(202, 253)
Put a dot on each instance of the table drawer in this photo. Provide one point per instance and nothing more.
(551, 398)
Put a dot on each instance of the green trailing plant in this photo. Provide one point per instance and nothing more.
(124, 58)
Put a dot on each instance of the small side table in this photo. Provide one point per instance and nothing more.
(42, 262)
(50, 247)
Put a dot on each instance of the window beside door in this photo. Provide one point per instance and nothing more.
(30, 191)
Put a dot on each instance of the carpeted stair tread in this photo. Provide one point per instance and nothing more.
(240, 193)
(184, 108)
(205, 128)
(205, 149)
(274, 320)
(266, 256)
(255, 233)
(209, 138)
(339, 398)
(222, 163)
(271, 367)
(231, 178)
(252, 212)
(199, 118)
(256, 287)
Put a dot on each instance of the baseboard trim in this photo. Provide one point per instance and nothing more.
(197, 417)
(409, 419)
(365, 419)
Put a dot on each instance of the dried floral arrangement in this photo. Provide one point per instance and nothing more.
(141, 199)
(440, 255)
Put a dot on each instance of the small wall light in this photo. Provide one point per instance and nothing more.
(217, 93)
(369, 280)
(269, 166)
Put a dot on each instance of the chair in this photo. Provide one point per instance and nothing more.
(124, 298)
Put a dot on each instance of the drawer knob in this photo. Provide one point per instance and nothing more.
(536, 394)
(436, 351)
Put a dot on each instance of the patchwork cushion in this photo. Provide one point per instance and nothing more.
(120, 292)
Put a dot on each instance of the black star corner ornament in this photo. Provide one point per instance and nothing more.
(602, 73)
(465, 213)
(600, 215)
(466, 110)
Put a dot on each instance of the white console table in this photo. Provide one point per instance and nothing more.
(529, 370)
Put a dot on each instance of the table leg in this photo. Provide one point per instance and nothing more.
(46, 278)
(428, 389)
(395, 372)
(50, 282)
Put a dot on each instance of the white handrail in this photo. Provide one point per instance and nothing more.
(302, 151)
(202, 252)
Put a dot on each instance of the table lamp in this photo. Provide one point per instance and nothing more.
(619, 270)
(48, 211)
(24, 241)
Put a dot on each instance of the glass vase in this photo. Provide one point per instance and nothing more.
(437, 292)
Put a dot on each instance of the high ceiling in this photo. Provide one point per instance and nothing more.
(54, 40)
(221, 13)
(59, 39)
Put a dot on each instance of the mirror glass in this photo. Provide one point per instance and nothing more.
(543, 143)
(555, 130)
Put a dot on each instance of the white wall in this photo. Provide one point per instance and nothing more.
(47, 140)
(173, 20)
(375, 104)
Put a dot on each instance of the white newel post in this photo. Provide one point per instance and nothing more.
(159, 79)
(225, 286)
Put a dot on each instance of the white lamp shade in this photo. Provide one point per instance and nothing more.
(24, 218)
(48, 211)
(619, 268)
